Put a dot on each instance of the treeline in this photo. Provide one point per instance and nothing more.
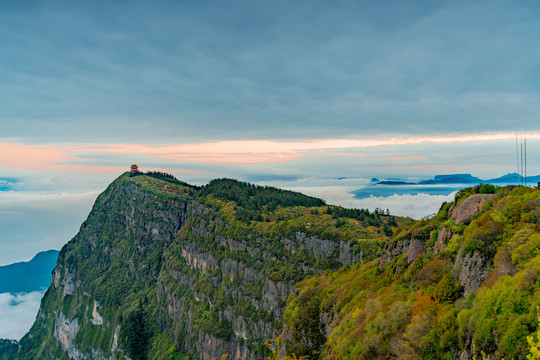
(165, 177)
(8, 349)
(251, 199)
(135, 334)
(364, 215)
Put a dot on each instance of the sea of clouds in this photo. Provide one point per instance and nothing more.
(17, 313)
(414, 206)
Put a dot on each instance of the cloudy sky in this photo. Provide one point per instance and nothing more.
(18, 313)
(288, 93)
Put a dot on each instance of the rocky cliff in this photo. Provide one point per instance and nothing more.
(164, 270)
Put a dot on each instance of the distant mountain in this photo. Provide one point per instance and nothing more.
(28, 276)
(452, 179)
(465, 177)
(514, 178)
(511, 178)
(394, 182)
(508, 178)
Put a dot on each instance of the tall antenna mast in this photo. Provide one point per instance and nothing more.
(517, 158)
(525, 140)
(521, 153)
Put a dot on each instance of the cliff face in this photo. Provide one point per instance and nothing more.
(462, 283)
(113, 261)
(161, 269)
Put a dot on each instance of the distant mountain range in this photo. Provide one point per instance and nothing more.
(28, 276)
(511, 178)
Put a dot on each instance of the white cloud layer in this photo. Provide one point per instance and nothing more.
(414, 206)
(18, 312)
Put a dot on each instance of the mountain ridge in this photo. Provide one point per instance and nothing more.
(204, 271)
(163, 270)
(28, 276)
(510, 178)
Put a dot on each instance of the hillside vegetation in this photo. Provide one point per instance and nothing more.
(465, 283)
(165, 270)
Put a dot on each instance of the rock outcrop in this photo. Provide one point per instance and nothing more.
(468, 207)
(412, 243)
(472, 269)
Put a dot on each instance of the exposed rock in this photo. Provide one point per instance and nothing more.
(394, 249)
(68, 284)
(468, 207)
(114, 345)
(65, 332)
(318, 247)
(196, 259)
(96, 318)
(56, 276)
(416, 247)
(444, 235)
(472, 271)
(411, 246)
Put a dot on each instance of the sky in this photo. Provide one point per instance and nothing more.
(295, 94)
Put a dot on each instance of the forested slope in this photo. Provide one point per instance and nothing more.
(165, 270)
(465, 283)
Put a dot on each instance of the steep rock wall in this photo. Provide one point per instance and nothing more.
(115, 256)
(207, 285)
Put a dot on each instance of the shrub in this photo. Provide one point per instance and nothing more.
(447, 291)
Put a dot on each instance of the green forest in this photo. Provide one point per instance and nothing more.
(165, 270)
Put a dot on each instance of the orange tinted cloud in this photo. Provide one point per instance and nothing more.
(30, 156)
(406, 158)
(44, 157)
(347, 154)
(245, 158)
(63, 157)
(285, 149)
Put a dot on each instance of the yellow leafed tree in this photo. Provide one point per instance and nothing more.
(535, 343)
